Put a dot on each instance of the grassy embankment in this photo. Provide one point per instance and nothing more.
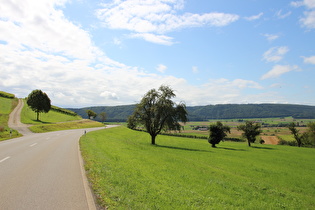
(180, 173)
(6, 106)
(54, 121)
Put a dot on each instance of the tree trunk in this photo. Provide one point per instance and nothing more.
(37, 116)
(153, 139)
(248, 142)
(213, 145)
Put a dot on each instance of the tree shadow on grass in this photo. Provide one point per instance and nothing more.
(227, 148)
(181, 148)
(43, 122)
(268, 148)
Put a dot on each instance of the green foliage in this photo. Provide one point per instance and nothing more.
(295, 132)
(180, 173)
(217, 133)
(157, 112)
(251, 131)
(39, 102)
(90, 113)
(6, 95)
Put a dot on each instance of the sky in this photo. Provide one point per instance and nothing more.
(111, 52)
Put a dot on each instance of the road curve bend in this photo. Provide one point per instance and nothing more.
(43, 171)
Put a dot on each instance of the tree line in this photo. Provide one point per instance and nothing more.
(156, 112)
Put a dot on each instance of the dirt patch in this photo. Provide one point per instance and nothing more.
(270, 139)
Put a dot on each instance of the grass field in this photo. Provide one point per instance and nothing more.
(54, 121)
(28, 116)
(6, 106)
(127, 172)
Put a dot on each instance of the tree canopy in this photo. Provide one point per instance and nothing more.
(156, 112)
(217, 133)
(251, 130)
(90, 113)
(39, 102)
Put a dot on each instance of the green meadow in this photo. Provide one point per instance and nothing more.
(6, 106)
(28, 116)
(127, 172)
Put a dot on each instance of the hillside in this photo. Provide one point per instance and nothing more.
(221, 111)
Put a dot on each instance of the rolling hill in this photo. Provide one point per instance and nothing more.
(221, 111)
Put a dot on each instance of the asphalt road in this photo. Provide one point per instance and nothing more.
(44, 171)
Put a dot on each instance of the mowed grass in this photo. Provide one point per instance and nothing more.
(28, 116)
(65, 126)
(54, 121)
(127, 172)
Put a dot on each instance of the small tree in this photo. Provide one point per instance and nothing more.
(217, 133)
(251, 130)
(90, 113)
(295, 132)
(158, 112)
(39, 102)
(103, 116)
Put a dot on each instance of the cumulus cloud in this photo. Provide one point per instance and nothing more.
(278, 70)
(308, 20)
(275, 54)
(310, 60)
(150, 20)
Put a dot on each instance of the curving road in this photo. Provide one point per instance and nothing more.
(43, 171)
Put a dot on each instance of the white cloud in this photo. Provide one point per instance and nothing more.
(310, 60)
(151, 19)
(161, 68)
(254, 17)
(275, 54)
(308, 20)
(278, 70)
(157, 39)
(271, 37)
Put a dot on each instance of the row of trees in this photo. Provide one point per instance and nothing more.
(156, 112)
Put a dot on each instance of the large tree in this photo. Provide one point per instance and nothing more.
(295, 132)
(156, 112)
(217, 133)
(39, 102)
(91, 114)
(251, 130)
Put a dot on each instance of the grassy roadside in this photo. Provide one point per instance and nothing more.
(6, 106)
(179, 173)
(65, 126)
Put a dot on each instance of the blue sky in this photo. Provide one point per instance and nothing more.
(84, 53)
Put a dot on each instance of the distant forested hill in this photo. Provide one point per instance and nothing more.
(221, 111)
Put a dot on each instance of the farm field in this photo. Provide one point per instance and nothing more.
(270, 127)
(127, 172)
